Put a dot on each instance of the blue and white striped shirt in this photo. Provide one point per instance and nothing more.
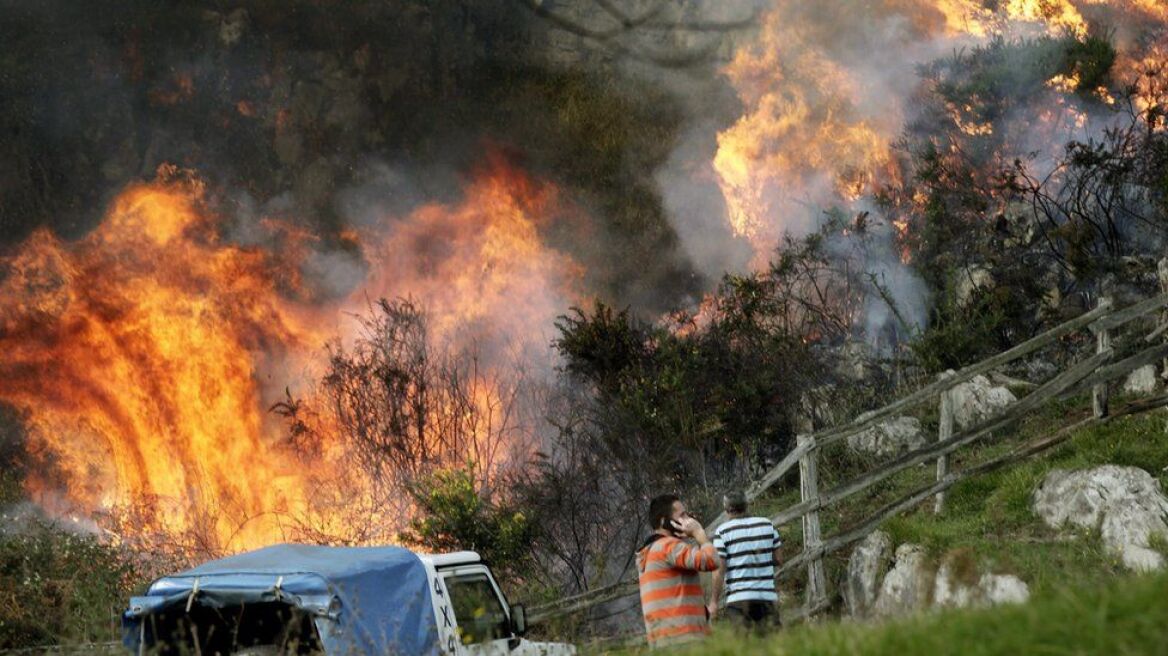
(748, 544)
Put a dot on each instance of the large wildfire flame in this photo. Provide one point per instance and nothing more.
(132, 352)
(822, 96)
(141, 356)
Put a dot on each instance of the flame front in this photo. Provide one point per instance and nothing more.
(133, 352)
(142, 357)
(480, 268)
(801, 138)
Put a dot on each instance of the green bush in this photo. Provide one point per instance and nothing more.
(60, 587)
(990, 321)
(453, 514)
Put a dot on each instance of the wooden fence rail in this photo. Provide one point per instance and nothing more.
(1095, 372)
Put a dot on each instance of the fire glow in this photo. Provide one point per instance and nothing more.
(139, 356)
(819, 124)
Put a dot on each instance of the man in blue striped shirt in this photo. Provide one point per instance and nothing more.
(749, 551)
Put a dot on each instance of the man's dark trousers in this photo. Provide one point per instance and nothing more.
(756, 616)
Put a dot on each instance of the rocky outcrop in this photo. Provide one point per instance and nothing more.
(976, 400)
(970, 282)
(873, 589)
(951, 591)
(1003, 589)
(855, 361)
(1142, 380)
(1125, 504)
(906, 586)
(866, 568)
(888, 437)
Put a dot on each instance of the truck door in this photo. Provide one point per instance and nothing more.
(484, 627)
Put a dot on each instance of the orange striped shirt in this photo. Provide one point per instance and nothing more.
(671, 592)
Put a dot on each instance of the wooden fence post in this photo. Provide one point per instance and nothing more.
(812, 538)
(1099, 391)
(944, 432)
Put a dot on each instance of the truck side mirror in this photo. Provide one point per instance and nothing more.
(519, 619)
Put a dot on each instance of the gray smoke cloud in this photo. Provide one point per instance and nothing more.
(877, 50)
(834, 67)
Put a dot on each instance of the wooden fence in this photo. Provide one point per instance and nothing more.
(1094, 372)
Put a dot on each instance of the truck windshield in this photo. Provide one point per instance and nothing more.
(477, 608)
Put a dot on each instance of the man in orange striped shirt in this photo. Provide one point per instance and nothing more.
(671, 592)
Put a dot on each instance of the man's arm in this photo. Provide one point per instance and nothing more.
(778, 542)
(684, 556)
(777, 556)
(716, 589)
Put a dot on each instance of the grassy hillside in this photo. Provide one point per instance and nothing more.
(988, 520)
(1127, 616)
(1083, 600)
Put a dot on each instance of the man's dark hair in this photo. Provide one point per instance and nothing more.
(661, 510)
(734, 502)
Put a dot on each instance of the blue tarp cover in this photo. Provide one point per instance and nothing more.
(366, 600)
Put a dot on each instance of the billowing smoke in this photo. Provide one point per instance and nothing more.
(827, 90)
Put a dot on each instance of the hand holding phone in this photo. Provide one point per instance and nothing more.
(690, 528)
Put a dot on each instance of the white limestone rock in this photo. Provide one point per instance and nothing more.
(948, 592)
(889, 437)
(976, 400)
(1125, 504)
(1142, 380)
(906, 586)
(989, 590)
(1003, 589)
(855, 360)
(867, 564)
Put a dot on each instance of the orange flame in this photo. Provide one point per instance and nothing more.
(143, 356)
(468, 262)
(132, 351)
(800, 139)
(812, 135)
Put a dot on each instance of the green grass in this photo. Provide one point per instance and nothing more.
(990, 516)
(1129, 615)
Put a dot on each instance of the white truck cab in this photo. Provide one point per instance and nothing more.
(474, 617)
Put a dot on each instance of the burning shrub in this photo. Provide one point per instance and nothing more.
(981, 112)
(1031, 171)
(396, 410)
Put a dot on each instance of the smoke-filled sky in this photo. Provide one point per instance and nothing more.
(314, 110)
(298, 108)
